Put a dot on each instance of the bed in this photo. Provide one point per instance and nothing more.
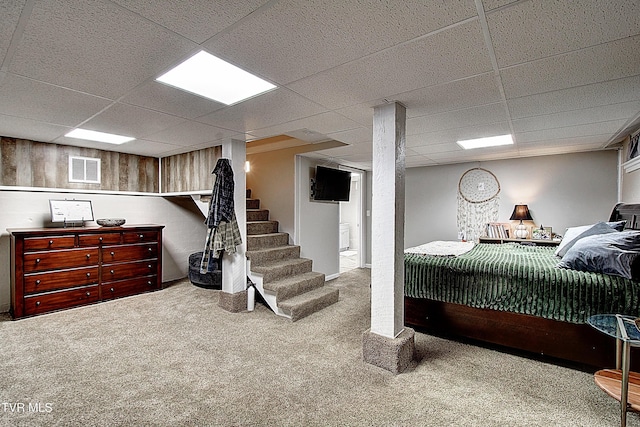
(515, 296)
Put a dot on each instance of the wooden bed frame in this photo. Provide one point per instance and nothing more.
(575, 345)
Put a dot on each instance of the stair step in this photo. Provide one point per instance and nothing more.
(262, 227)
(253, 203)
(257, 215)
(270, 240)
(262, 256)
(292, 286)
(308, 303)
(280, 269)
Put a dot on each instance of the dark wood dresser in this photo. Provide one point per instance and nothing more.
(57, 268)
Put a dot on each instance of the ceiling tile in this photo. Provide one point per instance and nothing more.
(491, 113)
(47, 103)
(123, 119)
(327, 33)
(596, 64)
(623, 111)
(321, 123)
(167, 99)
(600, 129)
(18, 127)
(453, 135)
(189, 133)
(455, 95)
(576, 98)
(424, 62)
(539, 29)
(277, 106)
(87, 45)
(196, 20)
(9, 16)
(361, 135)
(494, 4)
(428, 149)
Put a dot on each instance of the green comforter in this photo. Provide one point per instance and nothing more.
(521, 279)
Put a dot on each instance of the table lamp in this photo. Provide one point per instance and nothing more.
(521, 212)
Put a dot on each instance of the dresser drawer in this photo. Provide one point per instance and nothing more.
(42, 303)
(98, 239)
(42, 282)
(113, 272)
(42, 261)
(128, 287)
(112, 254)
(53, 242)
(139, 236)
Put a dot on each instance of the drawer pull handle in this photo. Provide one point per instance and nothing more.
(112, 253)
(88, 274)
(88, 294)
(150, 249)
(149, 282)
(141, 236)
(112, 272)
(88, 256)
(100, 239)
(37, 303)
(37, 260)
(38, 282)
(50, 242)
(111, 290)
(149, 265)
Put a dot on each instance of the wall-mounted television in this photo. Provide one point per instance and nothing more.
(332, 185)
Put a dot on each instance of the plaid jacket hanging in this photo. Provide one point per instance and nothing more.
(223, 233)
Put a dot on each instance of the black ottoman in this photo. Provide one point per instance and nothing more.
(208, 280)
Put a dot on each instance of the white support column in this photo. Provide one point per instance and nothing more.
(387, 221)
(234, 271)
(388, 344)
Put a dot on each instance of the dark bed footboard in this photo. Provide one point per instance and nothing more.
(577, 345)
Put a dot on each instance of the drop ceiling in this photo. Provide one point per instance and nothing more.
(560, 76)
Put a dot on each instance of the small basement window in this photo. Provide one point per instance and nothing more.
(84, 169)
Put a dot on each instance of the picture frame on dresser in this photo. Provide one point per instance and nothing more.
(545, 233)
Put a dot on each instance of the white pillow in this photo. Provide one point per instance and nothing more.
(573, 232)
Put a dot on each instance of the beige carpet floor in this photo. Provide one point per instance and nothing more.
(174, 358)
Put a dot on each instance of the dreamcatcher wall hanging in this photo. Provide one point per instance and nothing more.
(478, 202)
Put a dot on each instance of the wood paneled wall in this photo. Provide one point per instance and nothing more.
(190, 171)
(25, 163)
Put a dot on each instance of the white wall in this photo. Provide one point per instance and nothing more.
(184, 231)
(561, 191)
(317, 223)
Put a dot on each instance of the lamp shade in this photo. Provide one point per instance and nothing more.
(521, 212)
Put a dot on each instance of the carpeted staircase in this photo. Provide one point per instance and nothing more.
(285, 281)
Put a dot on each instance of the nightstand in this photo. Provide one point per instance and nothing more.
(533, 242)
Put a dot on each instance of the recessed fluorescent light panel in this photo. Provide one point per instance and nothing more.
(93, 135)
(491, 141)
(213, 78)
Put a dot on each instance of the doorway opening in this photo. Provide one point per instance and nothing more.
(351, 246)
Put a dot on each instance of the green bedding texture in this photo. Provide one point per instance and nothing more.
(521, 279)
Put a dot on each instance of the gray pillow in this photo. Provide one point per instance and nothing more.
(595, 229)
(611, 253)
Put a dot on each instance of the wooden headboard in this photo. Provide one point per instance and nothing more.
(628, 212)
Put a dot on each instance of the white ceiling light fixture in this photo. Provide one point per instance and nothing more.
(93, 135)
(208, 76)
(491, 141)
